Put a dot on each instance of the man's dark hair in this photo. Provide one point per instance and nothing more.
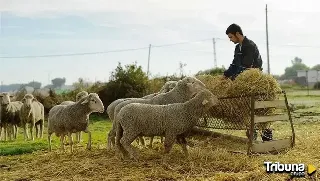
(233, 29)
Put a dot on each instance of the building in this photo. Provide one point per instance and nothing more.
(312, 76)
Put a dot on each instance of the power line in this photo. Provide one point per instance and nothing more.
(101, 52)
(165, 45)
(142, 48)
(76, 54)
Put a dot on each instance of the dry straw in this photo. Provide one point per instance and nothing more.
(234, 104)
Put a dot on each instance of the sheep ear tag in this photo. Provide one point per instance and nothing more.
(204, 102)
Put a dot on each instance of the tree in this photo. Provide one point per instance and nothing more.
(291, 72)
(34, 84)
(296, 60)
(316, 67)
(127, 81)
(212, 71)
(58, 82)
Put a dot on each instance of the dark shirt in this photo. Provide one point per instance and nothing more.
(245, 56)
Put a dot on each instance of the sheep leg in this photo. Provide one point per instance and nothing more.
(151, 141)
(161, 139)
(118, 145)
(142, 140)
(62, 141)
(89, 139)
(16, 131)
(70, 141)
(78, 136)
(111, 138)
(5, 129)
(126, 141)
(9, 132)
(49, 141)
(183, 143)
(37, 131)
(31, 130)
(41, 128)
(168, 142)
(25, 133)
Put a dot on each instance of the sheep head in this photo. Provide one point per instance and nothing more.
(208, 99)
(168, 86)
(81, 95)
(94, 102)
(27, 100)
(194, 80)
(5, 98)
(193, 85)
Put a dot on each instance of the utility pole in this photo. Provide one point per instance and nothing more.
(1, 86)
(149, 60)
(214, 52)
(267, 36)
(307, 75)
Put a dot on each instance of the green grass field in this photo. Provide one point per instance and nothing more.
(98, 126)
(210, 158)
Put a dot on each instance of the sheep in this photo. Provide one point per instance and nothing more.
(32, 112)
(10, 120)
(67, 119)
(79, 96)
(169, 85)
(173, 121)
(182, 92)
(165, 88)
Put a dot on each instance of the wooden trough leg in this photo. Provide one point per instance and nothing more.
(251, 126)
(290, 119)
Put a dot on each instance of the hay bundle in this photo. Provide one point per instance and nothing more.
(237, 110)
(216, 84)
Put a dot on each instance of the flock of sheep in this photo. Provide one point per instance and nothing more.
(170, 113)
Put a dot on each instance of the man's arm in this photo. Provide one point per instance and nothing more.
(230, 71)
(248, 58)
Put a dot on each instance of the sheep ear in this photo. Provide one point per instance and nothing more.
(85, 101)
(204, 102)
(34, 99)
(23, 100)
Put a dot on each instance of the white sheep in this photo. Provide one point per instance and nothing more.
(183, 91)
(79, 96)
(169, 85)
(67, 119)
(173, 121)
(32, 112)
(9, 116)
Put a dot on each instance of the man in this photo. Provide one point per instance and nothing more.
(246, 53)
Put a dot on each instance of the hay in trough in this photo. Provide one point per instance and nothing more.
(216, 84)
(234, 96)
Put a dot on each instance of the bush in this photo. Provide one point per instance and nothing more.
(317, 86)
(213, 71)
(49, 101)
(128, 81)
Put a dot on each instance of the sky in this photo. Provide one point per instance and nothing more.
(122, 30)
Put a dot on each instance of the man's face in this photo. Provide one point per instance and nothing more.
(233, 38)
